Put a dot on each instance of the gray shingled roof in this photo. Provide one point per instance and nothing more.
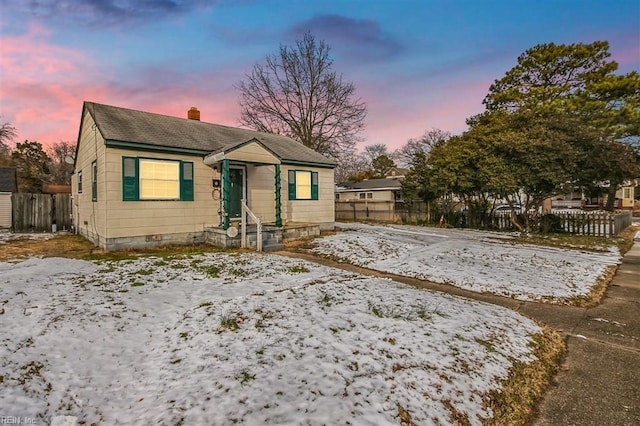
(8, 181)
(373, 184)
(127, 125)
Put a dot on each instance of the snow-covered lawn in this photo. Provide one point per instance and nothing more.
(473, 260)
(255, 339)
(7, 236)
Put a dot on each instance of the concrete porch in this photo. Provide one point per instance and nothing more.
(273, 237)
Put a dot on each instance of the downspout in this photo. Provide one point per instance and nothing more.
(278, 199)
(226, 183)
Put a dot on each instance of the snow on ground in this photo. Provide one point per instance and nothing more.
(7, 236)
(473, 260)
(254, 339)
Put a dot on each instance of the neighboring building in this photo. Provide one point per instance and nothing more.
(577, 200)
(8, 185)
(146, 179)
(397, 173)
(387, 189)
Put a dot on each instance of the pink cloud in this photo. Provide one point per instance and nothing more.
(44, 85)
(405, 110)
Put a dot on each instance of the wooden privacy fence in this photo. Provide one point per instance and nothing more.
(39, 212)
(382, 211)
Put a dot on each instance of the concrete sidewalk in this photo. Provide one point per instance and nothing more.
(598, 382)
(599, 379)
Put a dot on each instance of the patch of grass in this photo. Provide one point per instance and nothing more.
(264, 316)
(204, 305)
(423, 314)
(159, 263)
(514, 403)
(405, 417)
(456, 417)
(597, 292)
(212, 271)
(238, 272)
(184, 335)
(486, 344)
(231, 322)
(298, 269)
(144, 272)
(71, 246)
(176, 361)
(375, 310)
(326, 300)
(245, 377)
(137, 284)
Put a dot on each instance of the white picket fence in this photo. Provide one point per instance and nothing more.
(580, 222)
(598, 223)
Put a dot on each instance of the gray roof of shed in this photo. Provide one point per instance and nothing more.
(127, 125)
(8, 180)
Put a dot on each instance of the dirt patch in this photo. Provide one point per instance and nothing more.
(71, 246)
(76, 247)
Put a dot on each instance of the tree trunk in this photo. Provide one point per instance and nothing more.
(611, 198)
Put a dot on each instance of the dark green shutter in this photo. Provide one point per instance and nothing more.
(314, 185)
(292, 184)
(186, 181)
(130, 179)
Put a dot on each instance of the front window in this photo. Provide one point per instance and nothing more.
(159, 180)
(303, 185)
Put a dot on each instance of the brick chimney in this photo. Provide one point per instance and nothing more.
(193, 114)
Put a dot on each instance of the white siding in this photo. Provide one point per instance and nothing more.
(5, 210)
(139, 218)
(90, 217)
(321, 210)
(252, 153)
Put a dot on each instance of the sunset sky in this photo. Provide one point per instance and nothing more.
(418, 65)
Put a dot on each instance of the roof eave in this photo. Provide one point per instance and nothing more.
(139, 146)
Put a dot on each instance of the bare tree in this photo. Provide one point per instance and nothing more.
(59, 170)
(421, 145)
(7, 134)
(297, 94)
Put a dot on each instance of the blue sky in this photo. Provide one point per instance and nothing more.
(418, 65)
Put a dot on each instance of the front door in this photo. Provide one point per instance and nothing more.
(236, 192)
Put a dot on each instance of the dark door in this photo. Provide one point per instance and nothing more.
(236, 190)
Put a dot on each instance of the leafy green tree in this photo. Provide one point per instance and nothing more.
(381, 166)
(32, 165)
(575, 84)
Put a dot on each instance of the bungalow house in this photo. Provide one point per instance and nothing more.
(624, 199)
(8, 185)
(144, 179)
